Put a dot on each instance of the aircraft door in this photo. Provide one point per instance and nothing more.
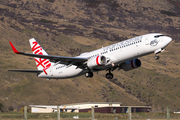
(161, 39)
(51, 73)
(146, 40)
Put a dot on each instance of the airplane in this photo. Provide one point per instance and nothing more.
(122, 55)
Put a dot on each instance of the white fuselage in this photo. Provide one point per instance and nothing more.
(116, 54)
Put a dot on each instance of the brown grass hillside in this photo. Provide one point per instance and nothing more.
(71, 27)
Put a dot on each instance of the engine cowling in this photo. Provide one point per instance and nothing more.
(132, 64)
(96, 61)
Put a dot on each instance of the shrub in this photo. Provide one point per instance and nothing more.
(47, 21)
(1, 107)
(167, 13)
(11, 108)
(50, 0)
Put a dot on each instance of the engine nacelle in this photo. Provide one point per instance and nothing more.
(96, 61)
(132, 64)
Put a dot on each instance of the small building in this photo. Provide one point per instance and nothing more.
(99, 107)
(121, 109)
(86, 106)
(50, 109)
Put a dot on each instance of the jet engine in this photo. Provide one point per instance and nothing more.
(96, 61)
(129, 65)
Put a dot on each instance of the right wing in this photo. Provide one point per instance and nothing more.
(78, 61)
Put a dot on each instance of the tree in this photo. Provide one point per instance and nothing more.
(1, 107)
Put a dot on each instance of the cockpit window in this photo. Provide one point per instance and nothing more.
(158, 36)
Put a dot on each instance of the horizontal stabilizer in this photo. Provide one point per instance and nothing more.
(30, 71)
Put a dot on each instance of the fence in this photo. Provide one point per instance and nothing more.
(89, 116)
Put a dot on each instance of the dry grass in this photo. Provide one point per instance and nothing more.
(83, 40)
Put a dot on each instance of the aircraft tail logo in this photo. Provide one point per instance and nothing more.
(42, 64)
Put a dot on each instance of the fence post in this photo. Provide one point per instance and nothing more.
(168, 114)
(129, 112)
(25, 112)
(58, 113)
(92, 110)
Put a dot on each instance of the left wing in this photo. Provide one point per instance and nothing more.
(78, 61)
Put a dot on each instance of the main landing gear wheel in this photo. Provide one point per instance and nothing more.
(89, 74)
(109, 76)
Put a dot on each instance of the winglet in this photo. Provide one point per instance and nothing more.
(14, 49)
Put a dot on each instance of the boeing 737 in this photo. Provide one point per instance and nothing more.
(122, 55)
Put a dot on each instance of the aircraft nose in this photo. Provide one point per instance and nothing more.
(168, 40)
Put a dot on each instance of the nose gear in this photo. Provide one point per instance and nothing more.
(157, 52)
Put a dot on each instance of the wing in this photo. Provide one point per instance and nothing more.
(78, 61)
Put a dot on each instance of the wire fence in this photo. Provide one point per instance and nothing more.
(88, 116)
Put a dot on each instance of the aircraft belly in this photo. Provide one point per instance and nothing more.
(68, 72)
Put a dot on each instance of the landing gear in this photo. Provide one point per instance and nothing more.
(157, 57)
(157, 52)
(109, 76)
(89, 74)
